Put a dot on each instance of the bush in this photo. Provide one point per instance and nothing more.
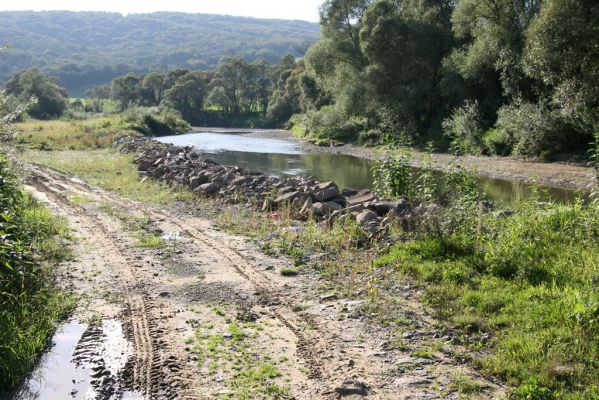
(154, 121)
(497, 143)
(532, 129)
(464, 127)
(29, 306)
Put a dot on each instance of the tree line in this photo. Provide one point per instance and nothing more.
(487, 76)
(234, 87)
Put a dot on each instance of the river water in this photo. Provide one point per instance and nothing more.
(284, 157)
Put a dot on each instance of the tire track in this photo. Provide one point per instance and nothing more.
(147, 366)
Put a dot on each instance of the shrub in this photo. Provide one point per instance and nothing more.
(533, 129)
(464, 127)
(154, 121)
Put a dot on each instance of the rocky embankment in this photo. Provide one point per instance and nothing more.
(303, 197)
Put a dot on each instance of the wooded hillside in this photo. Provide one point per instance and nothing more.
(92, 47)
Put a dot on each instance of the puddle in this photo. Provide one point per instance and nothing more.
(175, 236)
(85, 362)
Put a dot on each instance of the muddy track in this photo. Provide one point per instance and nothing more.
(310, 345)
(148, 366)
(333, 352)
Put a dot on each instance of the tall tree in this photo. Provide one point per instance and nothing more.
(51, 98)
(562, 49)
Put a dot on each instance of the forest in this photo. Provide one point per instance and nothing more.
(87, 48)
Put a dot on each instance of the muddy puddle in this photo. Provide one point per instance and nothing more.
(87, 362)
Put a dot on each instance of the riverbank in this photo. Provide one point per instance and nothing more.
(557, 175)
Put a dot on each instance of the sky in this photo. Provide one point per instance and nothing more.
(284, 9)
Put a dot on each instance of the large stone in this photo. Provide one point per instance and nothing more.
(240, 181)
(287, 197)
(362, 196)
(307, 207)
(196, 181)
(383, 207)
(207, 189)
(327, 194)
(365, 217)
(326, 185)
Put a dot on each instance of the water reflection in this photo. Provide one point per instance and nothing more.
(283, 157)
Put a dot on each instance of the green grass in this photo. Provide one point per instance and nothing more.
(33, 241)
(529, 281)
(150, 241)
(229, 349)
(92, 133)
(109, 170)
(289, 271)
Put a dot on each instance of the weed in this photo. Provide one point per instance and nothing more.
(288, 272)
(150, 241)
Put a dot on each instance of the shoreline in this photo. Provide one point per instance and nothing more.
(558, 175)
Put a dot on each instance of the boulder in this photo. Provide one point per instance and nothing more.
(307, 207)
(287, 197)
(207, 189)
(268, 205)
(383, 207)
(196, 181)
(365, 217)
(362, 196)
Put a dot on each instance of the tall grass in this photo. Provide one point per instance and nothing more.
(30, 306)
(93, 133)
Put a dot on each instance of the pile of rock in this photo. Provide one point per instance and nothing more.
(302, 197)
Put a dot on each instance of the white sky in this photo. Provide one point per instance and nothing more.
(283, 9)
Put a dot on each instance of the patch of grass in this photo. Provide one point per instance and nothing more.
(527, 283)
(466, 385)
(149, 241)
(231, 352)
(289, 271)
(93, 133)
(109, 170)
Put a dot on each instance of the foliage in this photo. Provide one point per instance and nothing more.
(465, 129)
(50, 97)
(89, 48)
(404, 67)
(594, 163)
(531, 129)
(154, 121)
(561, 49)
(527, 284)
(29, 305)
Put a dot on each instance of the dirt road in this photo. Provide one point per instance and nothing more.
(208, 316)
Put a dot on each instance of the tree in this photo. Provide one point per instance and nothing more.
(562, 49)
(125, 90)
(51, 98)
(187, 95)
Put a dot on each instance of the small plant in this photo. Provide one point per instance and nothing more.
(289, 271)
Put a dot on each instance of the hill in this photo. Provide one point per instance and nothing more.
(83, 48)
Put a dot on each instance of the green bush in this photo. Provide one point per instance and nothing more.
(464, 127)
(154, 121)
(533, 129)
(29, 305)
(497, 143)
